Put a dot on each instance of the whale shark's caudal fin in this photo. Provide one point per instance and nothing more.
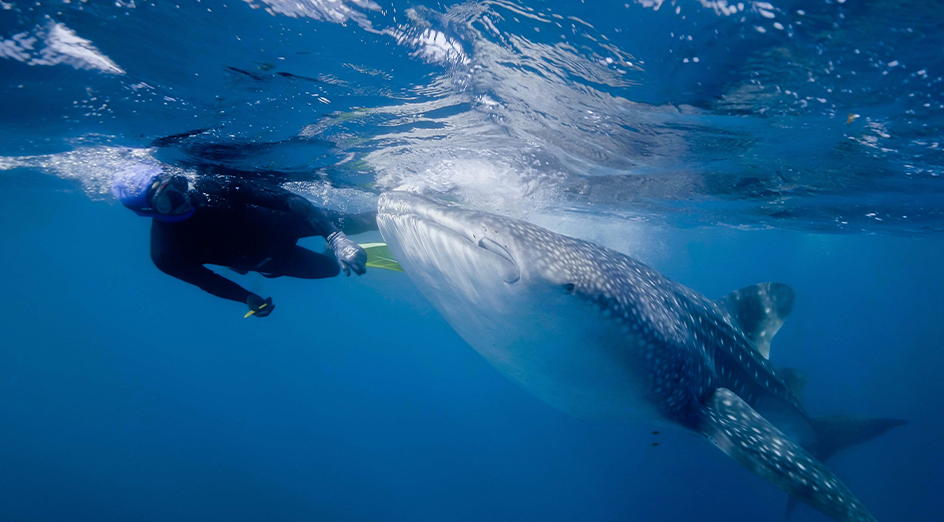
(735, 428)
(835, 433)
(759, 311)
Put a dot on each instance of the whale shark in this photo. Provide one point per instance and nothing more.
(600, 335)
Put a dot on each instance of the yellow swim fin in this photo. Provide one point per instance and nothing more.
(380, 256)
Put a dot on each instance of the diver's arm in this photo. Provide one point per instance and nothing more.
(206, 279)
(316, 217)
(349, 254)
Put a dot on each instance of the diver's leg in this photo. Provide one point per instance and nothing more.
(302, 263)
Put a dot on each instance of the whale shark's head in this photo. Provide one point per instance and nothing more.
(549, 311)
(473, 254)
(492, 260)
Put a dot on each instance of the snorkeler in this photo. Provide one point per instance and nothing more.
(240, 224)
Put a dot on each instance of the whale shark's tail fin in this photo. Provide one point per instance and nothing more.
(835, 433)
(739, 431)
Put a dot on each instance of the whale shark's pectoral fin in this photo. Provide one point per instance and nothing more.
(759, 311)
(740, 432)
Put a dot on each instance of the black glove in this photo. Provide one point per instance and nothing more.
(258, 306)
(350, 255)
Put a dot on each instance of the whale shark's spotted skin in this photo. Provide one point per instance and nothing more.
(682, 336)
(598, 334)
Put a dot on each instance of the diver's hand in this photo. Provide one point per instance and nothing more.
(350, 255)
(258, 306)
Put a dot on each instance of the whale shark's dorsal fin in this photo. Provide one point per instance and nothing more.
(739, 431)
(759, 311)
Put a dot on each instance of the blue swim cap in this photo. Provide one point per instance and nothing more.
(133, 185)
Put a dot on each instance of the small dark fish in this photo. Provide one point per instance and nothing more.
(297, 77)
(167, 141)
(655, 433)
(654, 444)
(254, 76)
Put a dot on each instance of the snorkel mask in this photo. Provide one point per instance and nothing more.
(148, 191)
(169, 197)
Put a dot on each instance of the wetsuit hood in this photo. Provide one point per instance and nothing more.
(135, 185)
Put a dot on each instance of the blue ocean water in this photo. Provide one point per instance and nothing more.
(723, 143)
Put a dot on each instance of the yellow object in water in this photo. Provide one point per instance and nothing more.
(380, 256)
(250, 312)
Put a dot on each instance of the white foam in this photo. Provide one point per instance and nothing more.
(323, 195)
(430, 45)
(59, 45)
(335, 11)
(93, 167)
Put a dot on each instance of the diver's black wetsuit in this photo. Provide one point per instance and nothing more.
(247, 226)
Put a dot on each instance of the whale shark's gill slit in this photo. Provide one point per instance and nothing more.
(514, 272)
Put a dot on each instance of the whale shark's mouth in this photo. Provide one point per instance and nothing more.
(426, 230)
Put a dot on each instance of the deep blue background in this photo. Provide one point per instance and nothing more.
(126, 395)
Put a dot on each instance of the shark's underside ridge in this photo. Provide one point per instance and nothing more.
(598, 334)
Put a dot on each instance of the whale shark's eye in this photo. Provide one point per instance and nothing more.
(568, 288)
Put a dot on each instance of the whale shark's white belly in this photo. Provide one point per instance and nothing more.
(556, 346)
(565, 355)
